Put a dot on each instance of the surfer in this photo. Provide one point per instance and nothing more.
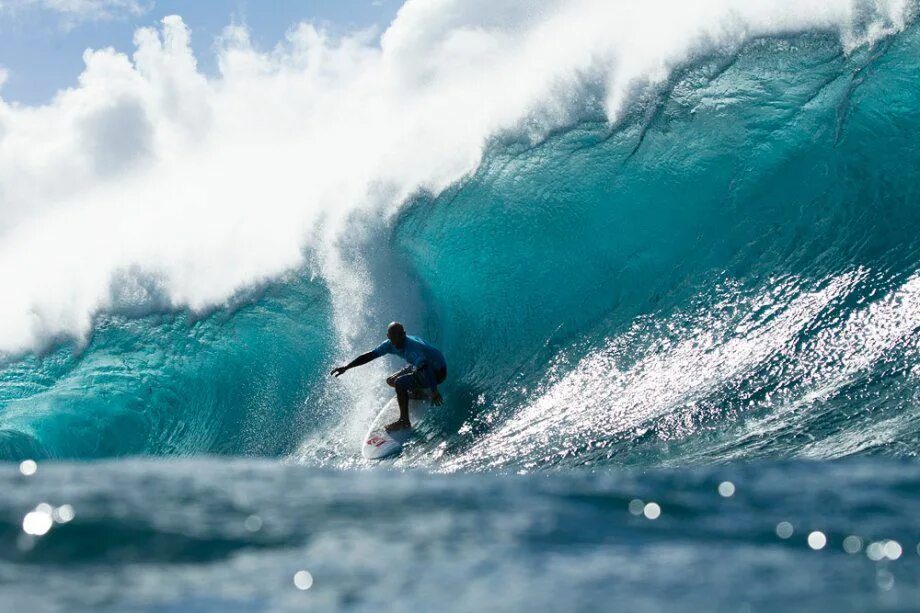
(426, 370)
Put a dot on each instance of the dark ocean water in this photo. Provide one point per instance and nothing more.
(218, 535)
(723, 286)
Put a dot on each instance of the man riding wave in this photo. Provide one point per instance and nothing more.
(426, 370)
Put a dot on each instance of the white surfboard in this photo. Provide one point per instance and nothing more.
(378, 443)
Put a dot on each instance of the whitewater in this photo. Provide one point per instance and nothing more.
(671, 252)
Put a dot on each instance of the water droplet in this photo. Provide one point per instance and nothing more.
(726, 489)
(884, 579)
(63, 514)
(253, 523)
(817, 540)
(303, 580)
(875, 551)
(892, 550)
(852, 544)
(37, 523)
(28, 467)
(784, 529)
(652, 510)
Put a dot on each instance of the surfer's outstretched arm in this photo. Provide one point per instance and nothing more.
(362, 359)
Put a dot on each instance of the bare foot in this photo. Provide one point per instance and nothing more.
(398, 425)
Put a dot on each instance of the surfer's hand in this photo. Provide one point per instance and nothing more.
(338, 370)
(436, 399)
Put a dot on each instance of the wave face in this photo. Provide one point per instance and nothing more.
(732, 273)
(232, 382)
(727, 271)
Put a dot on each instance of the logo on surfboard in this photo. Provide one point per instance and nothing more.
(376, 441)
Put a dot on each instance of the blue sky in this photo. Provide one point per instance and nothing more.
(42, 41)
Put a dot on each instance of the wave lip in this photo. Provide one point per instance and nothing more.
(151, 168)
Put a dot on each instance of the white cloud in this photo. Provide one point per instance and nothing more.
(206, 186)
(74, 11)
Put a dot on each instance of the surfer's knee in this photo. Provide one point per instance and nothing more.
(403, 383)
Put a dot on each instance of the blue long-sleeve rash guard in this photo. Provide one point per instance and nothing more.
(417, 352)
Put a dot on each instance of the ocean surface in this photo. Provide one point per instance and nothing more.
(684, 356)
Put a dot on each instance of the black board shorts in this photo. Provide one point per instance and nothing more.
(413, 379)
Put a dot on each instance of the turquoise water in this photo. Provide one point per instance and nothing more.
(724, 285)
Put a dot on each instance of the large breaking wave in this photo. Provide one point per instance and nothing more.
(715, 261)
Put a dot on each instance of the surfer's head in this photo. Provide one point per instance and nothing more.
(397, 334)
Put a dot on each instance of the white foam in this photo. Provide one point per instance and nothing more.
(204, 186)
